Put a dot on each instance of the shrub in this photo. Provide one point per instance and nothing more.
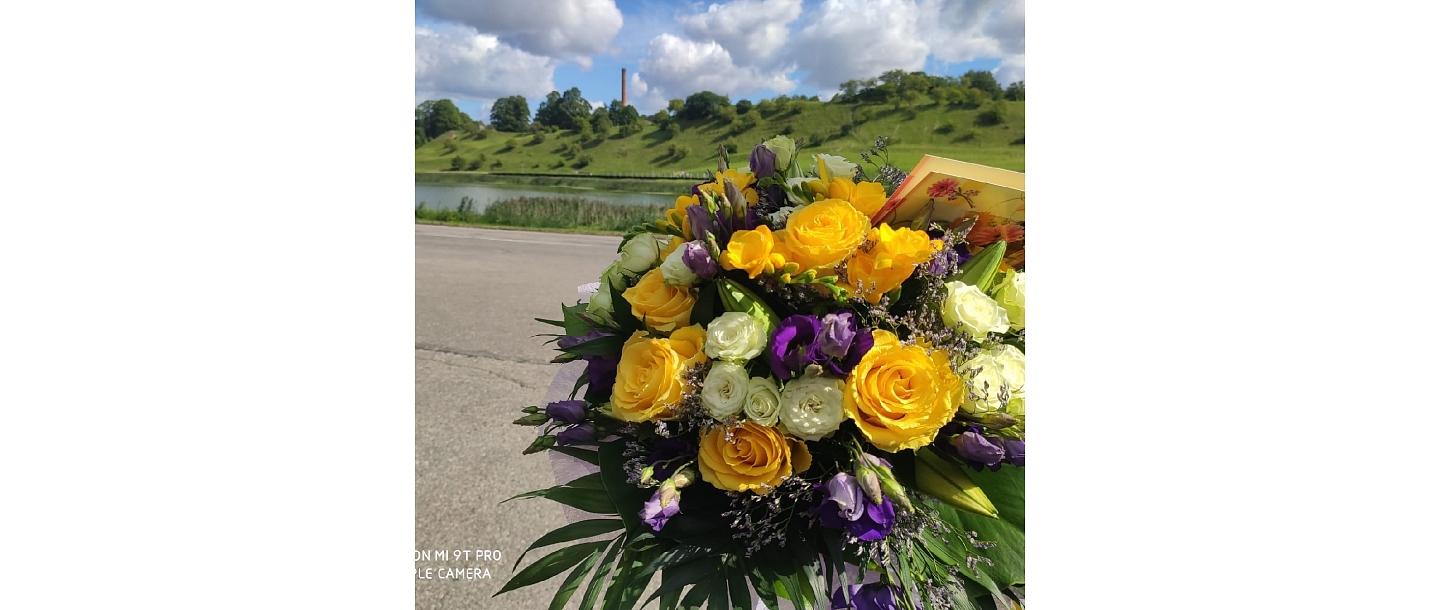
(994, 114)
(946, 127)
(476, 163)
(451, 146)
(846, 129)
(789, 129)
(582, 161)
(678, 151)
(967, 135)
(630, 129)
(538, 138)
(743, 107)
(815, 138)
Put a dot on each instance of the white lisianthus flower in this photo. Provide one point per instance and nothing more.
(735, 336)
(968, 308)
(724, 391)
(986, 389)
(640, 254)
(1011, 298)
(812, 407)
(837, 165)
(784, 149)
(600, 302)
(675, 271)
(762, 401)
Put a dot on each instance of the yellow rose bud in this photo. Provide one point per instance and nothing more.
(663, 307)
(888, 259)
(899, 396)
(648, 379)
(754, 252)
(753, 457)
(824, 233)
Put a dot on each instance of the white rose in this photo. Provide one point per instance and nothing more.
(1011, 298)
(811, 407)
(762, 401)
(675, 271)
(838, 166)
(985, 385)
(600, 303)
(1012, 367)
(640, 254)
(724, 391)
(735, 336)
(968, 308)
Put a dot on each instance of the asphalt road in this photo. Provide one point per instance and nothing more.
(477, 363)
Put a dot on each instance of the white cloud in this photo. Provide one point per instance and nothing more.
(752, 31)
(855, 39)
(676, 67)
(457, 62)
(973, 29)
(571, 29)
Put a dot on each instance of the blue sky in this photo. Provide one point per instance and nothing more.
(474, 51)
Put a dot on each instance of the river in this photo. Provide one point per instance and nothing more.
(447, 196)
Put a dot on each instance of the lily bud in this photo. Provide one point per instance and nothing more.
(946, 481)
(738, 298)
(540, 443)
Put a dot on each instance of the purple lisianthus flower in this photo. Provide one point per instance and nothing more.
(842, 503)
(601, 369)
(762, 162)
(655, 515)
(876, 522)
(872, 596)
(577, 435)
(568, 411)
(697, 258)
(664, 453)
(975, 447)
(701, 222)
(793, 346)
(842, 343)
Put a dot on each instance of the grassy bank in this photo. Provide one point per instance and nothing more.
(626, 185)
(562, 213)
(843, 129)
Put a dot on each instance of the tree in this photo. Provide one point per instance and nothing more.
(675, 106)
(983, 81)
(510, 113)
(601, 123)
(743, 106)
(703, 105)
(439, 117)
(565, 111)
(1016, 91)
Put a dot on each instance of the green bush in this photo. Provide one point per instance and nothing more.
(967, 135)
(476, 163)
(457, 163)
(994, 114)
(582, 161)
(538, 138)
(946, 127)
(630, 129)
(451, 146)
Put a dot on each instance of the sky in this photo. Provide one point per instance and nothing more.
(476, 51)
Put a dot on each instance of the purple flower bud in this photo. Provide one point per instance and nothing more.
(655, 514)
(974, 447)
(837, 330)
(762, 161)
(577, 435)
(570, 341)
(1014, 451)
(872, 596)
(697, 258)
(845, 493)
(568, 411)
(700, 221)
(793, 347)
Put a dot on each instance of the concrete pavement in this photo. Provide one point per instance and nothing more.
(476, 364)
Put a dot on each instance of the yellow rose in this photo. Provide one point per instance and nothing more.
(824, 233)
(887, 259)
(648, 380)
(866, 197)
(663, 307)
(753, 252)
(754, 457)
(900, 396)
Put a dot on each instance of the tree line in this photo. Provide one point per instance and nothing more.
(571, 111)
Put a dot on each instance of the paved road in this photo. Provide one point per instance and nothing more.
(476, 364)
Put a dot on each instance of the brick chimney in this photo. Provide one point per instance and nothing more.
(623, 102)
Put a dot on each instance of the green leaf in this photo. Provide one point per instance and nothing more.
(550, 565)
(670, 600)
(589, 481)
(695, 598)
(719, 593)
(572, 582)
(589, 500)
(608, 344)
(629, 584)
(739, 593)
(576, 325)
(602, 574)
(588, 455)
(760, 580)
(623, 314)
(626, 499)
(808, 577)
(676, 577)
(705, 308)
(574, 531)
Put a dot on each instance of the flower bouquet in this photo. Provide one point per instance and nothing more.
(804, 385)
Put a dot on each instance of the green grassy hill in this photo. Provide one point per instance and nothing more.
(927, 128)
